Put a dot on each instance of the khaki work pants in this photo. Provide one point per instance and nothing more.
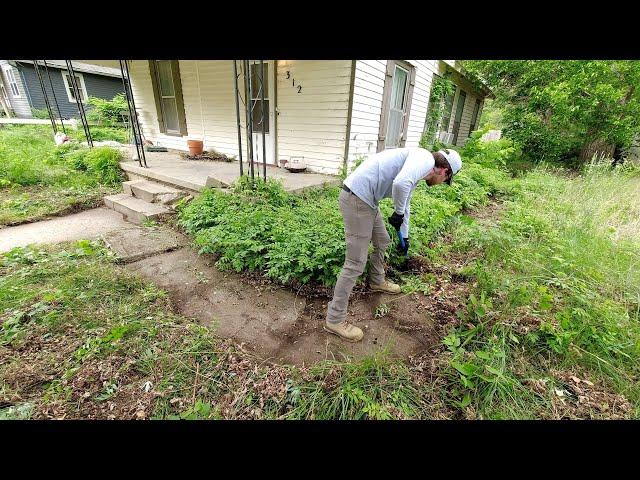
(362, 224)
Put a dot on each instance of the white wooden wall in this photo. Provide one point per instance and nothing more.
(313, 122)
(209, 103)
(367, 105)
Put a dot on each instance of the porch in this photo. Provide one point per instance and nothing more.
(171, 169)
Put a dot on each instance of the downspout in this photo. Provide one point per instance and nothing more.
(349, 112)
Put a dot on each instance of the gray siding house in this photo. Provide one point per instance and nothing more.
(21, 90)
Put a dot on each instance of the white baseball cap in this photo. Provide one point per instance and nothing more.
(454, 160)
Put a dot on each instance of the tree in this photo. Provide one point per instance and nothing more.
(559, 109)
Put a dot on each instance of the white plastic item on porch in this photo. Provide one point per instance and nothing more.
(296, 164)
(60, 138)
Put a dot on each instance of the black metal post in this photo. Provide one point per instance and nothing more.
(55, 98)
(131, 121)
(264, 124)
(247, 96)
(45, 97)
(135, 114)
(235, 86)
(76, 93)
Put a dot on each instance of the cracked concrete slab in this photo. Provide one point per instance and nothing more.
(134, 243)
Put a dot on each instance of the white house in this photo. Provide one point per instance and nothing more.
(326, 111)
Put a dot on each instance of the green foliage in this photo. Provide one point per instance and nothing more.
(495, 153)
(39, 179)
(293, 238)
(440, 98)
(40, 113)
(555, 108)
(108, 112)
(558, 277)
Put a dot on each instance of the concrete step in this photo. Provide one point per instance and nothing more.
(134, 209)
(152, 192)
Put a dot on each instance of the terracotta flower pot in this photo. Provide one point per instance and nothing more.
(195, 147)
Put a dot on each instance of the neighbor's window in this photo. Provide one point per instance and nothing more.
(256, 97)
(13, 85)
(71, 95)
(167, 89)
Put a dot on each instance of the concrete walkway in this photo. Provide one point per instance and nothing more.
(90, 225)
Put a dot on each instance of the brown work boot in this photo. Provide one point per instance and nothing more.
(386, 287)
(345, 330)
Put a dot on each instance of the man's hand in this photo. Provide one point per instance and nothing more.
(404, 250)
(396, 220)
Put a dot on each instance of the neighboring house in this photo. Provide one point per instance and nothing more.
(328, 112)
(22, 91)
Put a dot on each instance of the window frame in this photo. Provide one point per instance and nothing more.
(177, 92)
(456, 130)
(66, 77)
(11, 80)
(475, 116)
(4, 93)
(386, 102)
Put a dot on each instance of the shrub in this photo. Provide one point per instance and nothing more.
(104, 162)
(260, 227)
(495, 153)
(108, 112)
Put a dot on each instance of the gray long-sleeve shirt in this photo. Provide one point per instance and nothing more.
(391, 174)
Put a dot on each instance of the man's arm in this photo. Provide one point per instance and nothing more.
(416, 167)
(404, 229)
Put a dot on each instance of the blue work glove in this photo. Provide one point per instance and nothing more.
(404, 249)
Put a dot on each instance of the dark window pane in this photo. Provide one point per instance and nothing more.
(257, 116)
(170, 114)
(164, 77)
(255, 80)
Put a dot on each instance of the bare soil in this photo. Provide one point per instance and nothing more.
(282, 326)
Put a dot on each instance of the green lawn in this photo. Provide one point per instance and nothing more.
(38, 179)
(550, 328)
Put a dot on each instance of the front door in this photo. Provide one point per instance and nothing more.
(269, 106)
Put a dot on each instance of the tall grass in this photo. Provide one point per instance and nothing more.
(559, 277)
(39, 179)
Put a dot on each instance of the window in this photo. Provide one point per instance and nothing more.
(397, 94)
(448, 108)
(458, 118)
(167, 90)
(256, 97)
(81, 87)
(13, 85)
(474, 117)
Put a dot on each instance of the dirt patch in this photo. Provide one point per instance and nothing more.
(283, 326)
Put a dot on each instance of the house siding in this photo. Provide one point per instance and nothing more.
(467, 112)
(209, 104)
(96, 86)
(367, 105)
(312, 123)
(19, 105)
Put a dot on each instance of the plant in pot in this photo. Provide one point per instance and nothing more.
(196, 147)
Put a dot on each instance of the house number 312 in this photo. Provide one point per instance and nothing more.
(293, 81)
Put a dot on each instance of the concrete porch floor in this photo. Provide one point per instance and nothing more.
(170, 168)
